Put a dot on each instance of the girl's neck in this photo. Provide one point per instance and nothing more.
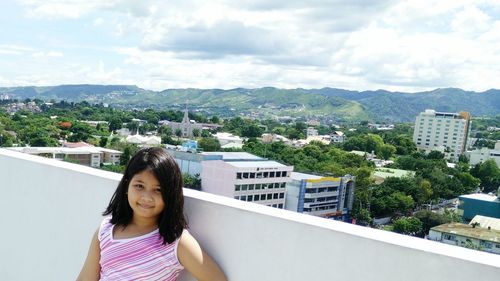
(148, 223)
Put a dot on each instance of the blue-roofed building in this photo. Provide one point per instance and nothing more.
(478, 204)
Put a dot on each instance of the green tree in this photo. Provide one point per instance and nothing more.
(103, 142)
(209, 144)
(408, 226)
(489, 174)
(386, 151)
(192, 182)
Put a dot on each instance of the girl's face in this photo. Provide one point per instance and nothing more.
(144, 195)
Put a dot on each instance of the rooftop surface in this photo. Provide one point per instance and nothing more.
(70, 150)
(250, 241)
(481, 196)
(469, 231)
(388, 172)
(486, 222)
(259, 164)
(235, 155)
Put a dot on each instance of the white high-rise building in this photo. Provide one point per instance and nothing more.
(442, 131)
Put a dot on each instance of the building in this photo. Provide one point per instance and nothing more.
(481, 155)
(338, 137)
(328, 197)
(380, 174)
(144, 141)
(486, 222)
(442, 131)
(191, 163)
(227, 138)
(478, 204)
(186, 126)
(311, 132)
(83, 155)
(464, 235)
(246, 177)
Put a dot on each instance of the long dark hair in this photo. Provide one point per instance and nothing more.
(171, 221)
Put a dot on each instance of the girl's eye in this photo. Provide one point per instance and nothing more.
(138, 186)
(158, 190)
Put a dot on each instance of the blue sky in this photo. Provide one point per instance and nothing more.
(359, 45)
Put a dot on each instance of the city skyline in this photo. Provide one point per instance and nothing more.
(363, 45)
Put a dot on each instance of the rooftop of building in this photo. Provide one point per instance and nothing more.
(64, 150)
(389, 172)
(481, 197)
(469, 231)
(258, 164)
(235, 155)
(486, 222)
(249, 241)
(303, 176)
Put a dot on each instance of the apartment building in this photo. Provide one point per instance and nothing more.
(328, 197)
(442, 131)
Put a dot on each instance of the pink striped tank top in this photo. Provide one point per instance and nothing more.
(139, 258)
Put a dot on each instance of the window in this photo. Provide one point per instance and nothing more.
(238, 175)
(237, 187)
(236, 197)
(252, 175)
(271, 174)
(250, 198)
(244, 187)
(243, 198)
(280, 206)
(266, 174)
(259, 175)
(276, 185)
(262, 197)
(283, 184)
(257, 186)
(270, 185)
(275, 195)
(245, 175)
(282, 195)
(250, 187)
(256, 197)
(269, 196)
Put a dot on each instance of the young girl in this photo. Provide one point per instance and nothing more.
(145, 236)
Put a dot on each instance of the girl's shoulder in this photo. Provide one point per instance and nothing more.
(104, 228)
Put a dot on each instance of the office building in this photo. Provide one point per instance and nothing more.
(328, 197)
(246, 177)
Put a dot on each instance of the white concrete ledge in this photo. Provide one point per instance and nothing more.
(50, 209)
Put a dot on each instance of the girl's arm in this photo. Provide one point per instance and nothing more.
(91, 269)
(196, 261)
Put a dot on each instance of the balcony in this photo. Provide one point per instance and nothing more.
(50, 210)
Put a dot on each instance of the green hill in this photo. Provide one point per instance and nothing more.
(329, 103)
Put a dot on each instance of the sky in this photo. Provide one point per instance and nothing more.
(408, 46)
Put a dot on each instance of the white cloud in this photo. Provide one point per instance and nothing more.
(50, 54)
(397, 45)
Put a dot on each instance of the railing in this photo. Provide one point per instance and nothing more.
(49, 210)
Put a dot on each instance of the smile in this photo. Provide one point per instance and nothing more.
(145, 206)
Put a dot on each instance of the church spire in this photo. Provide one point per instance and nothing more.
(186, 115)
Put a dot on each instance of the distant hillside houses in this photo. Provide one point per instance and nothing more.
(29, 106)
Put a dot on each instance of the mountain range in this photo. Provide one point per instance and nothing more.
(326, 103)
